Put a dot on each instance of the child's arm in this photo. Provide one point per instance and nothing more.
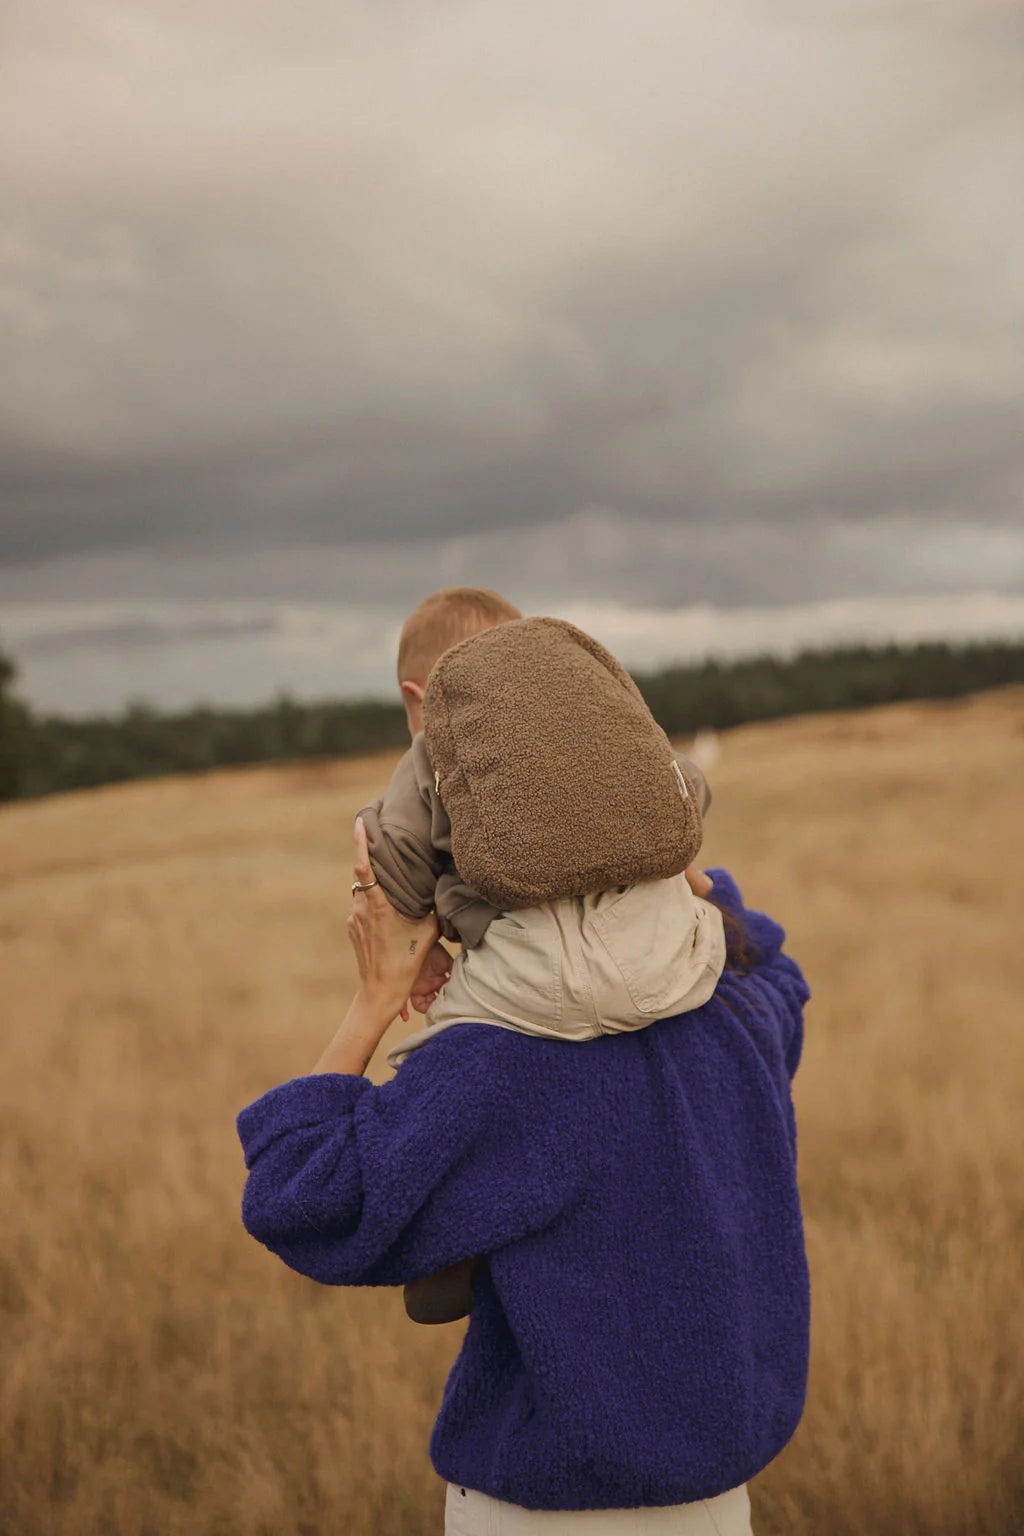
(402, 855)
(694, 777)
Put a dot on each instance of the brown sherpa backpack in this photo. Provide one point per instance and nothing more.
(555, 775)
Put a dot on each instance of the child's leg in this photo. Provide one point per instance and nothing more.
(443, 1297)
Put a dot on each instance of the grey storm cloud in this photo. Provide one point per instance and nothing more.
(133, 634)
(275, 281)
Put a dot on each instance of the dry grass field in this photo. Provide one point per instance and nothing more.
(170, 950)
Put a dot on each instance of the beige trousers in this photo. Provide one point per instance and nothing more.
(585, 966)
(469, 1513)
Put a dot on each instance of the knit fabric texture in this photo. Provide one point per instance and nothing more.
(556, 777)
(639, 1328)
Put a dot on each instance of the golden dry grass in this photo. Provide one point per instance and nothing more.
(171, 950)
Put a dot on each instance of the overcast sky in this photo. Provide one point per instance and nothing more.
(703, 325)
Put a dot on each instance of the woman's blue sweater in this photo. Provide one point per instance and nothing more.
(639, 1331)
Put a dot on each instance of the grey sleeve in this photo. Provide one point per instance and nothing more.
(403, 857)
(694, 776)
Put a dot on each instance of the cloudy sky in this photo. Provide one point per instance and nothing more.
(702, 325)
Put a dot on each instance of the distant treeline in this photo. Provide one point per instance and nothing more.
(43, 754)
(720, 694)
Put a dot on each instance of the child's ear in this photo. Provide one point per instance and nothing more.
(412, 698)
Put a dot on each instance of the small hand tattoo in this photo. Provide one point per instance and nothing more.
(413, 946)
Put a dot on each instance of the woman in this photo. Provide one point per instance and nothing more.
(637, 1346)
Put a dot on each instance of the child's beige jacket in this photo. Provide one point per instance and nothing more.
(585, 966)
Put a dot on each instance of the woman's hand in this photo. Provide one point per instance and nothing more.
(389, 948)
(697, 880)
(389, 952)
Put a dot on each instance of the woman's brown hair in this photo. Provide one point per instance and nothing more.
(741, 953)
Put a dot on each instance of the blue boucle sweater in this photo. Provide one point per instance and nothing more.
(639, 1330)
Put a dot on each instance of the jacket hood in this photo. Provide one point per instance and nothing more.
(555, 775)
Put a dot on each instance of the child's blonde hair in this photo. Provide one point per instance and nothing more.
(442, 620)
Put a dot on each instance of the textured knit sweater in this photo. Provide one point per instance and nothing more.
(639, 1329)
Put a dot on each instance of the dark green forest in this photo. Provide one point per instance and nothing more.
(44, 754)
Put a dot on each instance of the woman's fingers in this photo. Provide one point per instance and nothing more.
(361, 860)
(388, 947)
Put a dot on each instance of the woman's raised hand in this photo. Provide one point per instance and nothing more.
(389, 948)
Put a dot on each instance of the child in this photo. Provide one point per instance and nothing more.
(575, 821)
(554, 848)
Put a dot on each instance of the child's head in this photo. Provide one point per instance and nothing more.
(439, 622)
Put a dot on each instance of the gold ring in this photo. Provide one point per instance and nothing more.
(358, 885)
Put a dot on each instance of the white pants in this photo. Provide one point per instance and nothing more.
(470, 1513)
(585, 966)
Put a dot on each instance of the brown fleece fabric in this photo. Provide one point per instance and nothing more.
(555, 776)
(410, 842)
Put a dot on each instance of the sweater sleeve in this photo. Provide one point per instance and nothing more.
(353, 1183)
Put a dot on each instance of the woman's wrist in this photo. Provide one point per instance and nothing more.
(358, 1035)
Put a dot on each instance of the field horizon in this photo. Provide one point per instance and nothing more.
(172, 948)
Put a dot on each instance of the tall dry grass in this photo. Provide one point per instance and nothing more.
(171, 950)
